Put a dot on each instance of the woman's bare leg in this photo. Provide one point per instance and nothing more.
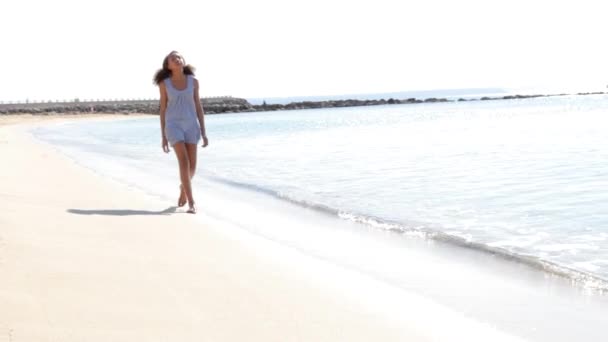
(183, 161)
(191, 151)
(191, 148)
(182, 197)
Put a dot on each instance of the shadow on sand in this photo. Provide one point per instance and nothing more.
(122, 212)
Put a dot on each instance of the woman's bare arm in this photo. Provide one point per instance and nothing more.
(199, 108)
(163, 109)
(200, 113)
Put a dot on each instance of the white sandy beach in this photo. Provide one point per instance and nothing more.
(83, 258)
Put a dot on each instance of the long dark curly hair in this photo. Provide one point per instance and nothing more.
(165, 72)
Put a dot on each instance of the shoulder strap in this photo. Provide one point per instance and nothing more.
(190, 82)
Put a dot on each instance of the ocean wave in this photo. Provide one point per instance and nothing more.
(418, 229)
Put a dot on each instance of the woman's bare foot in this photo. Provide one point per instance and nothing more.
(182, 197)
(191, 209)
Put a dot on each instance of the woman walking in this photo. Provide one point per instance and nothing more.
(182, 120)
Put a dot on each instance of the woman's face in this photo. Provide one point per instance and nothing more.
(175, 61)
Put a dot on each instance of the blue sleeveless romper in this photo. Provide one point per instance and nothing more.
(181, 121)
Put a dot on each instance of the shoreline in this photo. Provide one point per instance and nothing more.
(112, 263)
(580, 279)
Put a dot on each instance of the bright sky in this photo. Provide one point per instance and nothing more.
(63, 49)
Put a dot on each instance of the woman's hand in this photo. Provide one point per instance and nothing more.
(165, 145)
(205, 141)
